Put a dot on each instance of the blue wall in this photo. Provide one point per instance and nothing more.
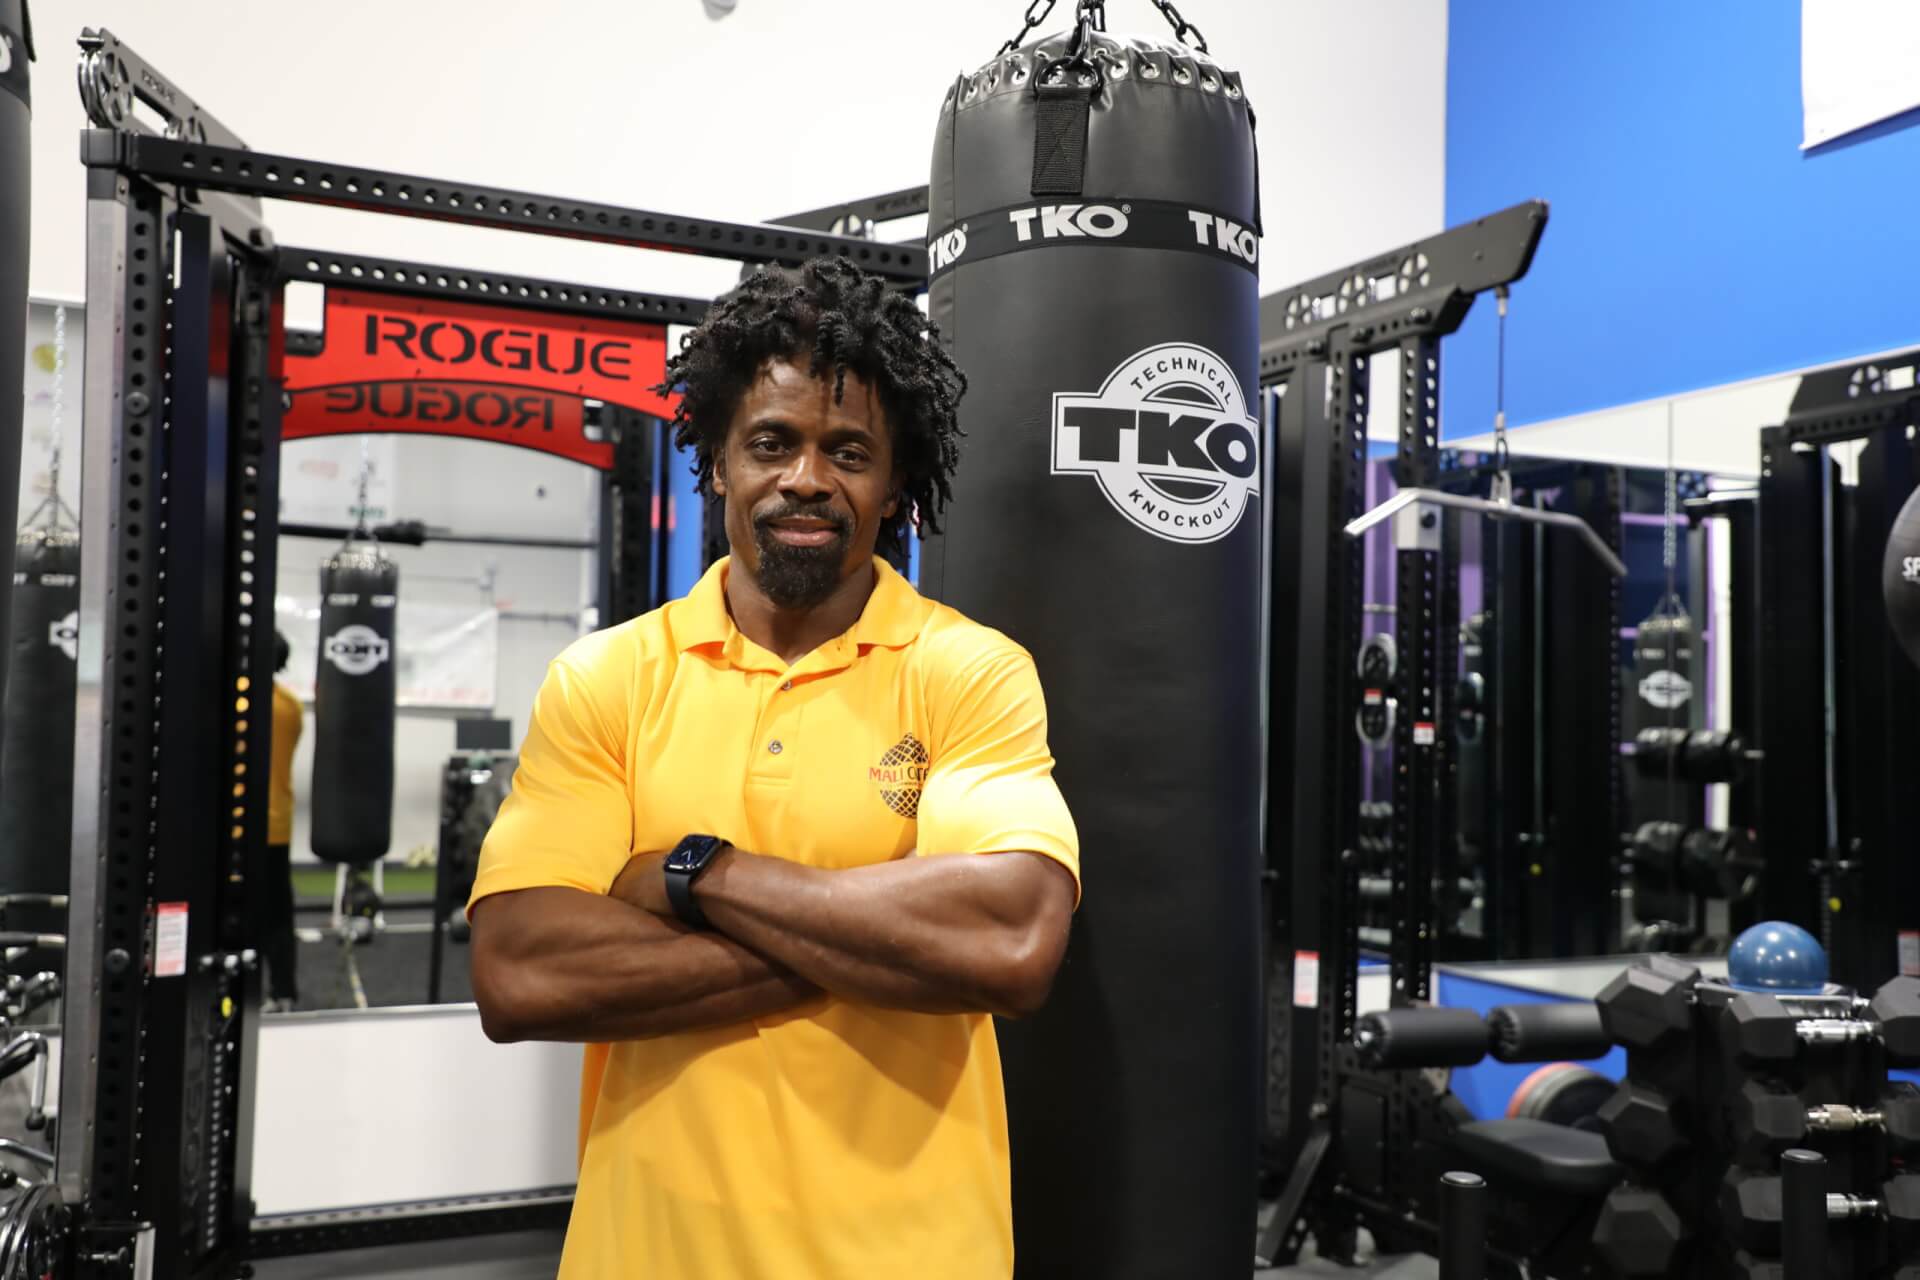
(1690, 242)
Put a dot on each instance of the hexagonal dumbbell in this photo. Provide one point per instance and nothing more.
(1638, 1233)
(1900, 1201)
(1640, 1125)
(1762, 1029)
(1748, 1267)
(1765, 1120)
(1896, 1008)
(1750, 1208)
(1649, 1004)
(1900, 1117)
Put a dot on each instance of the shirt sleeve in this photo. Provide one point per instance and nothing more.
(989, 786)
(568, 820)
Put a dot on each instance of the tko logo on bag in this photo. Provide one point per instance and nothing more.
(1070, 221)
(357, 649)
(946, 250)
(1169, 440)
(1910, 569)
(64, 635)
(1666, 690)
(1226, 236)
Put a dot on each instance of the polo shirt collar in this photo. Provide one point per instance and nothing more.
(893, 616)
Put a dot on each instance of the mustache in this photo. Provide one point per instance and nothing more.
(804, 511)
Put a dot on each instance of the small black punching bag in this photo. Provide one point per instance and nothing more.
(1093, 232)
(353, 707)
(36, 757)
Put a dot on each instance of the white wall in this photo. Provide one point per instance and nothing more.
(786, 105)
(407, 1104)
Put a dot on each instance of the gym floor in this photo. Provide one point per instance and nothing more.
(526, 1255)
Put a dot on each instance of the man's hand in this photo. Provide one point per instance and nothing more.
(642, 883)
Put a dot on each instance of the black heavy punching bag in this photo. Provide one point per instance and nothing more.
(353, 707)
(36, 755)
(15, 117)
(1900, 577)
(1093, 235)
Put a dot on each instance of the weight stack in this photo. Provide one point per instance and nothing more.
(1093, 235)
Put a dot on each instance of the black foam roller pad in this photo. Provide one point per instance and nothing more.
(36, 754)
(1548, 1032)
(353, 708)
(1106, 515)
(15, 206)
(1397, 1038)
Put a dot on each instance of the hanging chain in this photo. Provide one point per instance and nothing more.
(57, 428)
(1094, 14)
(360, 529)
(1669, 549)
(1181, 27)
(1503, 476)
(1037, 12)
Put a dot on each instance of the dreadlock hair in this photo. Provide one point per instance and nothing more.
(845, 320)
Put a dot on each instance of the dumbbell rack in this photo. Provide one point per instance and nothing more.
(1719, 1085)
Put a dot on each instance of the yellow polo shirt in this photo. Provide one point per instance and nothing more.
(286, 736)
(836, 1141)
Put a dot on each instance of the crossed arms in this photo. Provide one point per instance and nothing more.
(962, 933)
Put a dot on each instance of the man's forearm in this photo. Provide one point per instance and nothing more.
(936, 935)
(559, 964)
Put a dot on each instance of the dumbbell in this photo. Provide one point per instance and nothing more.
(1638, 1233)
(1706, 861)
(1642, 1126)
(1763, 1029)
(1649, 1004)
(1696, 755)
(1766, 1119)
(1753, 1204)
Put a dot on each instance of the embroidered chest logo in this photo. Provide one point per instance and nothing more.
(899, 775)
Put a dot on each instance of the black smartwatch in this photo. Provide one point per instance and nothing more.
(689, 859)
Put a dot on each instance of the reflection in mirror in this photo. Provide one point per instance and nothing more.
(1603, 767)
(36, 753)
(384, 574)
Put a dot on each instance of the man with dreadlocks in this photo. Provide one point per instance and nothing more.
(735, 858)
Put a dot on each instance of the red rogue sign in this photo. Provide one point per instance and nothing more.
(428, 366)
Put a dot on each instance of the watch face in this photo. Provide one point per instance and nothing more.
(692, 853)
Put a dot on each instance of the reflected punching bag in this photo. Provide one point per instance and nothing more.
(36, 756)
(1093, 236)
(1900, 577)
(353, 707)
(1662, 697)
(15, 117)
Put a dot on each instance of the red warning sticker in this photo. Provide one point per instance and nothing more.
(1306, 979)
(169, 939)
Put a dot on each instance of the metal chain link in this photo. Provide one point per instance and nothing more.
(1095, 11)
(1181, 26)
(1034, 19)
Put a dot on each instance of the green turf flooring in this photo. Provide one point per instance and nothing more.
(315, 883)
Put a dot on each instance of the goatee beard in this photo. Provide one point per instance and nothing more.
(798, 577)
